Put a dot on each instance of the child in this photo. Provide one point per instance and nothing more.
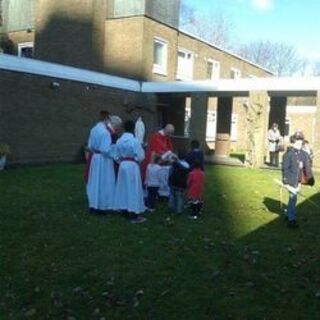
(164, 189)
(294, 162)
(195, 154)
(152, 181)
(178, 183)
(195, 184)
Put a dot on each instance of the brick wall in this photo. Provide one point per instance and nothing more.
(71, 32)
(123, 47)
(42, 124)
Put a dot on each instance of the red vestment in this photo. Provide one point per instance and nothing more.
(158, 144)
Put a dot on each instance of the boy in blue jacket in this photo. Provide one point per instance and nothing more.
(295, 166)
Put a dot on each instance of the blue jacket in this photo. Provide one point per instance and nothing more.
(193, 155)
(291, 172)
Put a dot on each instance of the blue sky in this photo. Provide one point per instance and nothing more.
(294, 22)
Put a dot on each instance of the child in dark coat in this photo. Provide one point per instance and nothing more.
(196, 154)
(178, 183)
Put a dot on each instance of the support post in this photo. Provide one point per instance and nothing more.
(198, 121)
(224, 118)
(316, 144)
(257, 114)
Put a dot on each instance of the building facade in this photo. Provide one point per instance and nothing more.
(138, 39)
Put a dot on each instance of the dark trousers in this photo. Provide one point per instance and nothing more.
(291, 213)
(274, 158)
(196, 207)
(152, 196)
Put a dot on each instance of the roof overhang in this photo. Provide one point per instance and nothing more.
(289, 86)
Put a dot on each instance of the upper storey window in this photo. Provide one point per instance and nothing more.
(185, 64)
(160, 56)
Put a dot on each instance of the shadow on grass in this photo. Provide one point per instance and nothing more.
(281, 265)
(238, 262)
(275, 206)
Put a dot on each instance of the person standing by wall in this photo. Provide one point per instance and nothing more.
(273, 144)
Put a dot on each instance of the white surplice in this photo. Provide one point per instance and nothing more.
(101, 178)
(129, 192)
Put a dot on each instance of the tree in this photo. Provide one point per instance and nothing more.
(316, 68)
(216, 28)
(280, 58)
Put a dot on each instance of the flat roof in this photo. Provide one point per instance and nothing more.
(283, 86)
(54, 70)
(286, 86)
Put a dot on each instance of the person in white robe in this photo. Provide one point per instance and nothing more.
(101, 176)
(129, 192)
(139, 130)
(273, 140)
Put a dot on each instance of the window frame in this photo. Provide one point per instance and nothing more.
(214, 62)
(23, 45)
(158, 68)
(236, 72)
(183, 75)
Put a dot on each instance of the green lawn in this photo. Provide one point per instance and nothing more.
(238, 262)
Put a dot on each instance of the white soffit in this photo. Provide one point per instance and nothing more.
(32, 66)
(270, 84)
(288, 85)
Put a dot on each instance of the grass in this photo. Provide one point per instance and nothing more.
(238, 262)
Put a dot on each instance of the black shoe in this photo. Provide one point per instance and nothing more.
(292, 224)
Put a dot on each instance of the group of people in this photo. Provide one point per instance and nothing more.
(275, 145)
(122, 176)
(176, 178)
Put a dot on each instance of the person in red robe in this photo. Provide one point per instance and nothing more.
(159, 143)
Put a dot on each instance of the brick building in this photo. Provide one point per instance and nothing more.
(137, 39)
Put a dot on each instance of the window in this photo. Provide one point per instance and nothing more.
(187, 117)
(234, 127)
(25, 49)
(185, 65)
(212, 126)
(213, 69)
(235, 73)
(287, 127)
(125, 8)
(160, 56)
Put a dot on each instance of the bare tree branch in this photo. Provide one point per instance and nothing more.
(280, 58)
(216, 29)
